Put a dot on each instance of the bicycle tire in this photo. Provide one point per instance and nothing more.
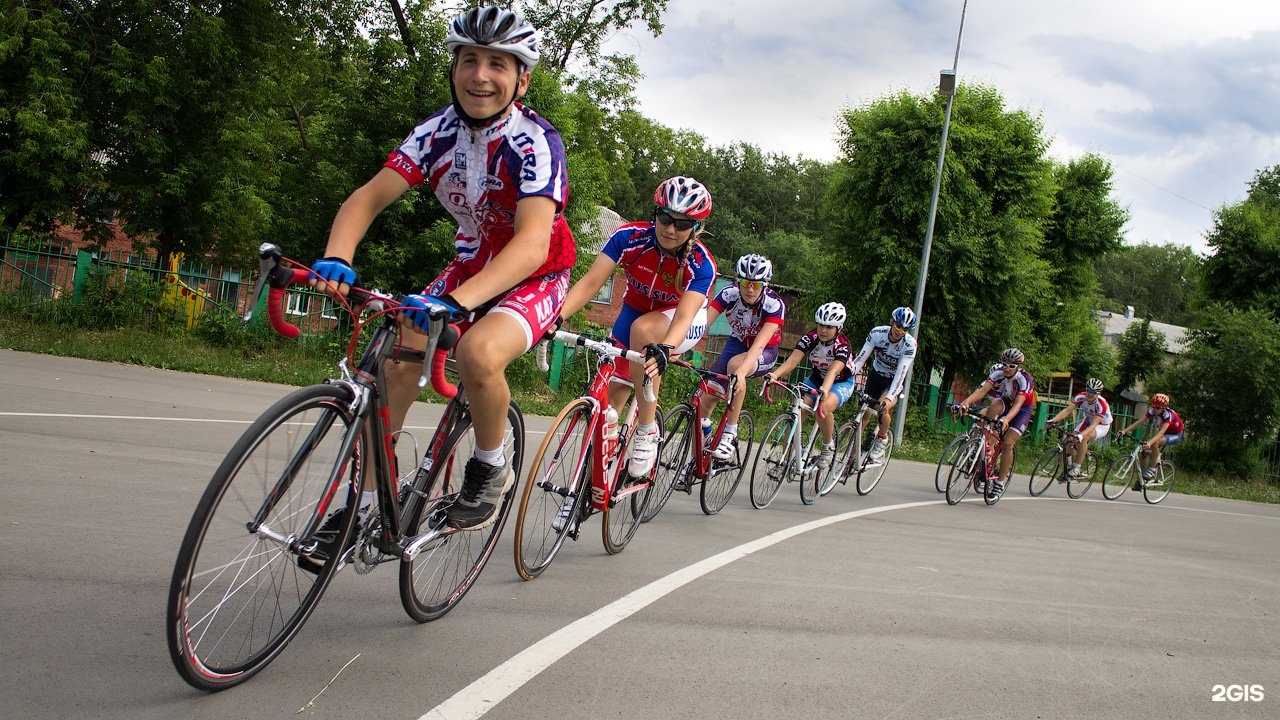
(1078, 486)
(946, 460)
(622, 515)
(772, 463)
(1047, 469)
(844, 464)
(1117, 478)
(237, 598)
(436, 580)
(1154, 492)
(961, 477)
(552, 481)
(675, 459)
(869, 474)
(810, 473)
(723, 477)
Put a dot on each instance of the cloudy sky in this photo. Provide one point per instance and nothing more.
(1183, 98)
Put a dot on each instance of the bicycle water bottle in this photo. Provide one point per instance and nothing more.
(706, 428)
(610, 432)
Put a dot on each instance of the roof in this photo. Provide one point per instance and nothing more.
(1115, 324)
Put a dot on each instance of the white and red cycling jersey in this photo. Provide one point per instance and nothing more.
(745, 321)
(1008, 388)
(656, 279)
(823, 354)
(479, 176)
(1098, 407)
(1166, 415)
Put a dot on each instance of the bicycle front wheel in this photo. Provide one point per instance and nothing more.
(967, 465)
(946, 460)
(1119, 476)
(724, 476)
(675, 458)
(772, 463)
(556, 492)
(434, 581)
(238, 594)
(626, 507)
(1153, 491)
(1078, 486)
(870, 471)
(1048, 468)
(845, 463)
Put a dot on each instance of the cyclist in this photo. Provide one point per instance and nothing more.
(1013, 400)
(829, 353)
(1093, 428)
(669, 275)
(755, 315)
(499, 169)
(1168, 431)
(895, 350)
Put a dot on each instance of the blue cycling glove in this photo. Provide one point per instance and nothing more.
(421, 309)
(335, 270)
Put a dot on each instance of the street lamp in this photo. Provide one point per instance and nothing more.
(946, 86)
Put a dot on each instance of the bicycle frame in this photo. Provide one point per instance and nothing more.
(866, 406)
(795, 444)
(702, 460)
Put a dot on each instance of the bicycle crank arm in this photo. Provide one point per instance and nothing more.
(428, 539)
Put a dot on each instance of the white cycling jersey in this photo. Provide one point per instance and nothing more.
(890, 359)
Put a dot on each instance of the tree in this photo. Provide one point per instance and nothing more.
(1159, 281)
(1244, 270)
(1237, 351)
(575, 29)
(1140, 352)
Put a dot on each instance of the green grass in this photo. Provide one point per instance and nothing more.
(277, 360)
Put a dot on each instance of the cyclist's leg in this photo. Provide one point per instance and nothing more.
(1017, 427)
(652, 328)
(724, 362)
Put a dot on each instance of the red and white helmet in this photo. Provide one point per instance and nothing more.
(684, 195)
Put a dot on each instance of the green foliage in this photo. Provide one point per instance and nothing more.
(1244, 270)
(1159, 281)
(1140, 355)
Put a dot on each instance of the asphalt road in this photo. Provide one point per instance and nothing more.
(893, 605)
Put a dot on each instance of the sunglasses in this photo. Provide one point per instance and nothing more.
(896, 326)
(664, 217)
(1010, 366)
(756, 285)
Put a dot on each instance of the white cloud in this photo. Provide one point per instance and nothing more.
(1181, 98)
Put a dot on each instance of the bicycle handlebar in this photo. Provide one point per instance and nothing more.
(795, 391)
(605, 349)
(730, 381)
(277, 276)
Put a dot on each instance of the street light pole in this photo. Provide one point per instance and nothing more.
(946, 86)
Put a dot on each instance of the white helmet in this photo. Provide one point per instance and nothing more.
(831, 313)
(497, 29)
(755, 267)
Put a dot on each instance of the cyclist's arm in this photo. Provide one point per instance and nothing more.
(861, 358)
(1062, 415)
(792, 361)
(1159, 433)
(1135, 424)
(751, 357)
(977, 395)
(526, 252)
(833, 372)
(359, 209)
(580, 294)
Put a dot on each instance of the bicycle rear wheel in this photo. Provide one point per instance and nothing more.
(772, 463)
(560, 474)
(237, 597)
(946, 460)
(723, 478)
(623, 513)
(968, 463)
(1048, 468)
(870, 471)
(434, 581)
(675, 458)
(1078, 486)
(844, 464)
(1153, 491)
(1119, 476)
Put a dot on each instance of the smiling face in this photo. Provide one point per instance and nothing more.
(487, 81)
(671, 237)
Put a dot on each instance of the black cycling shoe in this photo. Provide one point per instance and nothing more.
(326, 540)
(483, 486)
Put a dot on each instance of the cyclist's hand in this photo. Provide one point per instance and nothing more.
(550, 334)
(333, 275)
(422, 309)
(656, 356)
(770, 378)
(1000, 427)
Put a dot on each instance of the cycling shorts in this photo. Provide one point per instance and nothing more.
(1099, 433)
(877, 384)
(534, 304)
(1173, 439)
(734, 347)
(843, 390)
(621, 333)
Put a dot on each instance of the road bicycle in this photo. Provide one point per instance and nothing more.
(979, 460)
(684, 460)
(851, 461)
(1126, 470)
(948, 457)
(1053, 464)
(580, 470)
(251, 567)
(783, 455)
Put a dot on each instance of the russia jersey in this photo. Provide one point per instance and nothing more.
(1007, 388)
(656, 279)
(480, 175)
(1098, 408)
(889, 359)
(746, 322)
(1167, 415)
(822, 355)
